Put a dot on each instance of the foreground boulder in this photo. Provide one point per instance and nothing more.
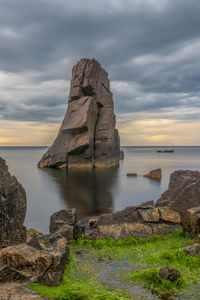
(43, 261)
(87, 137)
(183, 191)
(141, 221)
(12, 208)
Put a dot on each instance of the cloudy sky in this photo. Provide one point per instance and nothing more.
(150, 48)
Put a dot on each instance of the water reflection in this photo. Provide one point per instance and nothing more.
(89, 191)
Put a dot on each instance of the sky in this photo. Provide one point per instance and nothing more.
(150, 49)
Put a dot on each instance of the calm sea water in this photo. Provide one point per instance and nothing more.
(93, 192)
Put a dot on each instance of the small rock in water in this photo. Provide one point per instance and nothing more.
(154, 174)
(131, 174)
(168, 273)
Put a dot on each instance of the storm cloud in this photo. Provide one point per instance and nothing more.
(150, 49)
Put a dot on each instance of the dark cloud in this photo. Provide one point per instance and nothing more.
(151, 46)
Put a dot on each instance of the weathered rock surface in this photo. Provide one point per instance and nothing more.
(183, 191)
(87, 137)
(142, 220)
(64, 223)
(191, 221)
(168, 273)
(42, 260)
(12, 208)
(154, 174)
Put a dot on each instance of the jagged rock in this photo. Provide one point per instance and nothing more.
(62, 217)
(43, 260)
(12, 208)
(87, 137)
(191, 221)
(154, 174)
(63, 223)
(142, 220)
(193, 250)
(183, 191)
(168, 273)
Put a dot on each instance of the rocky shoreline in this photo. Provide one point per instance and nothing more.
(37, 257)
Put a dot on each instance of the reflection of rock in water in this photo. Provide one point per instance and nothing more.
(89, 191)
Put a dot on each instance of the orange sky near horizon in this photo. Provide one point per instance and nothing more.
(155, 132)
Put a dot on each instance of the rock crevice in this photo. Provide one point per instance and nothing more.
(87, 137)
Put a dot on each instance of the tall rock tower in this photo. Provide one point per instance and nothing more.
(87, 137)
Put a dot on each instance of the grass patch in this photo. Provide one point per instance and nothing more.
(75, 286)
(146, 254)
(161, 287)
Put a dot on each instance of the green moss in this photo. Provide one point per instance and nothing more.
(80, 280)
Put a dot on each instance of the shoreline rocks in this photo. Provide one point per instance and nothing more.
(142, 220)
(87, 137)
(183, 191)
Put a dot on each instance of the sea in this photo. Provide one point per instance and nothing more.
(97, 191)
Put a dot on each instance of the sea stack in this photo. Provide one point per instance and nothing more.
(87, 137)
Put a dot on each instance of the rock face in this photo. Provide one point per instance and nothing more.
(12, 208)
(142, 221)
(87, 137)
(183, 191)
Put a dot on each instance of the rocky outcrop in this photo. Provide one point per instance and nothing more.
(12, 208)
(87, 137)
(142, 221)
(183, 191)
(154, 174)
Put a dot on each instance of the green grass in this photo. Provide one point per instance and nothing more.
(146, 254)
(75, 286)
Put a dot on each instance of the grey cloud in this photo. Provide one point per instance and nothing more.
(154, 44)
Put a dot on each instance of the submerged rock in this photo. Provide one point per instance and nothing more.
(141, 221)
(154, 174)
(183, 191)
(12, 208)
(87, 137)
